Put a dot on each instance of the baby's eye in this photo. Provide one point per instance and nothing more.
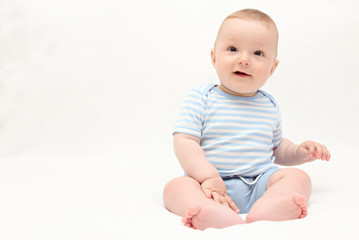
(259, 53)
(232, 49)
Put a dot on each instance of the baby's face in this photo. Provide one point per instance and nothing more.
(244, 56)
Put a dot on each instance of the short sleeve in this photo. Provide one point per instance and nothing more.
(277, 133)
(190, 120)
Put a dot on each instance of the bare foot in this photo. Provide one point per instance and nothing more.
(220, 216)
(279, 209)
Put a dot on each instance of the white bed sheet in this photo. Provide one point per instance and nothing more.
(89, 92)
(94, 198)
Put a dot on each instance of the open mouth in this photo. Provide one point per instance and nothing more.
(242, 74)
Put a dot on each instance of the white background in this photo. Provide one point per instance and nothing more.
(90, 91)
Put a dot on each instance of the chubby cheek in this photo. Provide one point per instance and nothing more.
(264, 72)
(223, 69)
(223, 65)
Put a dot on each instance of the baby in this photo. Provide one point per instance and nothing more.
(228, 138)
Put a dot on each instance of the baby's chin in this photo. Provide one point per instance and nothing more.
(236, 92)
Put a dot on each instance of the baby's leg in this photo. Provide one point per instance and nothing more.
(286, 197)
(184, 197)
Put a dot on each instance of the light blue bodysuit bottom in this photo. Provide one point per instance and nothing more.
(245, 191)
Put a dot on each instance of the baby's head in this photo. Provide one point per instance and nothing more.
(245, 52)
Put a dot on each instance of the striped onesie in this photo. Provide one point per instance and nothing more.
(237, 134)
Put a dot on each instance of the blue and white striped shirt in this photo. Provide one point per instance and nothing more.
(237, 134)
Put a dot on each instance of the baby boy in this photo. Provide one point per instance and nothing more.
(228, 138)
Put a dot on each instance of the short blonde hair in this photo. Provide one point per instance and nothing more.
(252, 14)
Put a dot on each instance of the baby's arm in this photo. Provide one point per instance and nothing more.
(192, 158)
(194, 162)
(289, 154)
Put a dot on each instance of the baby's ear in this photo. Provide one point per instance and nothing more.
(213, 57)
(275, 65)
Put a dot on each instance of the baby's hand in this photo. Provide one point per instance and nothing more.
(214, 188)
(309, 151)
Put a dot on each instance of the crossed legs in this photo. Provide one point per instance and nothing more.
(288, 191)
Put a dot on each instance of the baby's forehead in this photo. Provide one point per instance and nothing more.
(236, 27)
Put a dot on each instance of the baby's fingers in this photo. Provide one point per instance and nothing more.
(219, 198)
(216, 197)
(310, 151)
(231, 204)
(207, 192)
(321, 152)
(326, 154)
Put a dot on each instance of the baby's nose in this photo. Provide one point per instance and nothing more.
(243, 60)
